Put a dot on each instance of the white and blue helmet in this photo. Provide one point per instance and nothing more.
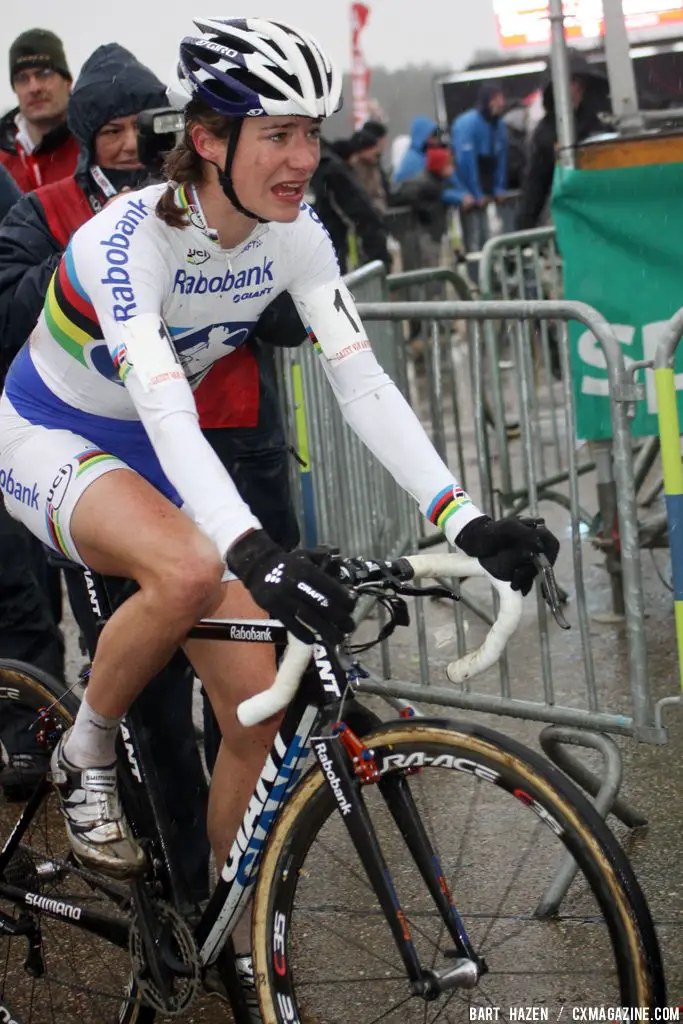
(251, 67)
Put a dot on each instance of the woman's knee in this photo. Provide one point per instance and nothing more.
(189, 578)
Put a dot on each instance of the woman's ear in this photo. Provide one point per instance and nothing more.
(205, 142)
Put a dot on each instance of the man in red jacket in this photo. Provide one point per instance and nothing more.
(36, 145)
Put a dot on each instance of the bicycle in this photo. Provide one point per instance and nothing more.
(355, 856)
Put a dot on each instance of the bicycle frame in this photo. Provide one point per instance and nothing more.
(314, 709)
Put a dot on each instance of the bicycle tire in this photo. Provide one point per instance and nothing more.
(486, 754)
(60, 995)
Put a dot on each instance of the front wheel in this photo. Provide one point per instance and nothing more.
(498, 817)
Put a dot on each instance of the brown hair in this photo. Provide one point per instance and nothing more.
(183, 165)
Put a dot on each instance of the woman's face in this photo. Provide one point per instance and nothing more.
(116, 144)
(274, 162)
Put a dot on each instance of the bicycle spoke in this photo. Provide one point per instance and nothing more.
(354, 980)
(511, 883)
(486, 999)
(363, 948)
(570, 974)
(352, 871)
(392, 1009)
(442, 1009)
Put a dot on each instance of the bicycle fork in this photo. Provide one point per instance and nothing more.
(347, 764)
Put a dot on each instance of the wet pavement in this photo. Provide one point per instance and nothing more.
(652, 780)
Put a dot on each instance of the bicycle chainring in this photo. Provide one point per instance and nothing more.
(185, 989)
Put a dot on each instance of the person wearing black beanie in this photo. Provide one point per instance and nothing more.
(36, 146)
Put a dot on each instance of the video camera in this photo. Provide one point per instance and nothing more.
(158, 131)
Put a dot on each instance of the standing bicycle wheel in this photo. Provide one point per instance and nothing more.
(70, 975)
(498, 817)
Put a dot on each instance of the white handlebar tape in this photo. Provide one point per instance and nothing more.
(506, 623)
(297, 656)
(266, 704)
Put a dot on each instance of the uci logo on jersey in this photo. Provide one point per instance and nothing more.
(253, 277)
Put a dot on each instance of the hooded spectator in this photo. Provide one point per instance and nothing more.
(428, 194)
(339, 201)
(479, 139)
(36, 146)
(423, 130)
(112, 88)
(480, 143)
(589, 90)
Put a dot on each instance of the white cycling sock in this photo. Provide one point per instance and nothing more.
(92, 741)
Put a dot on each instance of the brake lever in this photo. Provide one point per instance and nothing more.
(549, 589)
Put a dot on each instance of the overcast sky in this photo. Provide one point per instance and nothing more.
(399, 32)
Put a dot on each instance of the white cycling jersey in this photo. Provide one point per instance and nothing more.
(135, 316)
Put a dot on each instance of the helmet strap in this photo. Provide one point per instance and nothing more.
(225, 176)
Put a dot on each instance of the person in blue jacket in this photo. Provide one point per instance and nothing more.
(479, 139)
(422, 130)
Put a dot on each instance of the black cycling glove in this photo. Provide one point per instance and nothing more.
(292, 588)
(505, 547)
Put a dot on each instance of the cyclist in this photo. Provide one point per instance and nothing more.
(101, 454)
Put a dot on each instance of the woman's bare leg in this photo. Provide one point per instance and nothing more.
(122, 526)
(230, 674)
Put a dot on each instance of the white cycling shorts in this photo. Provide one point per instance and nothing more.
(44, 471)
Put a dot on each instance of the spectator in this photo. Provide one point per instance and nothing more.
(519, 134)
(36, 146)
(429, 194)
(380, 131)
(364, 161)
(339, 201)
(589, 91)
(479, 138)
(111, 89)
(423, 131)
(9, 191)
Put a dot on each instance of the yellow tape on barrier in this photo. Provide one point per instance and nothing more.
(303, 450)
(669, 434)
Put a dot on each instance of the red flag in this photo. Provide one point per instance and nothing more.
(360, 73)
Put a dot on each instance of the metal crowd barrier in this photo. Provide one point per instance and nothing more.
(590, 724)
(526, 265)
(353, 503)
(640, 723)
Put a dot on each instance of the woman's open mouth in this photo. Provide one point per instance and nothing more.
(290, 191)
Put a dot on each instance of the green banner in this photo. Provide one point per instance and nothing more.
(620, 233)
